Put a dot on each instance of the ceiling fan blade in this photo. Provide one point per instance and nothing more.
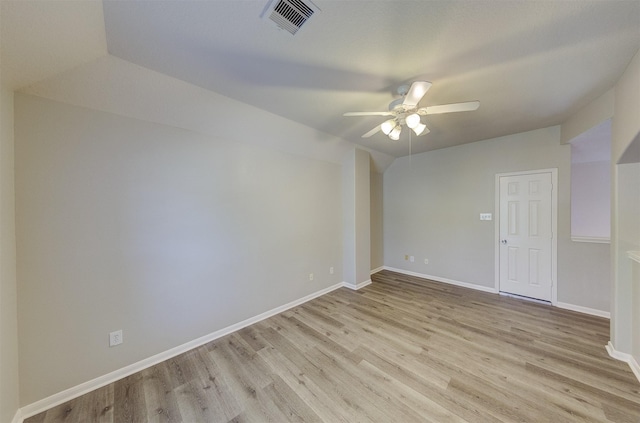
(416, 92)
(368, 114)
(373, 131)
(449, 108)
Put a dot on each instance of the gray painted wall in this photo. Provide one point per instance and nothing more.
(164, 233)
(432, 204)
(591, 199)
(625, 209)
(9, 381)
(377, 240)
(356, 217)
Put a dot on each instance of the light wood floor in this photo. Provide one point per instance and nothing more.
(400, 350)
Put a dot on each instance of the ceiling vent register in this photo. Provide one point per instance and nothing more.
(290, 15)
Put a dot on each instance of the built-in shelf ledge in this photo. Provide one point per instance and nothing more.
(634, 255)
(593, 239)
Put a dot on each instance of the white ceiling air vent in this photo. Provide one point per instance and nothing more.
(289, 15)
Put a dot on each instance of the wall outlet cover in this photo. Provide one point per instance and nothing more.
(115, 338)
(486, 216)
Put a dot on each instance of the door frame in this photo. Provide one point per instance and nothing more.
(554, 227)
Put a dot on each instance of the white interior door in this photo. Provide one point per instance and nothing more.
(526, 224)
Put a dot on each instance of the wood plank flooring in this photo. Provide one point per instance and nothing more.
(402, 349)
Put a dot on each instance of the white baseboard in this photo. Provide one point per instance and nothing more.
(356, 286)
(627, 358)
(586, 310)
(86, 387)
(443, 280)
(567, 306)
(523, 298)
(377, 269)
(18, 418)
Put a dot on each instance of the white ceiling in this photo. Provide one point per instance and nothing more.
(530, 64)
(44, 38)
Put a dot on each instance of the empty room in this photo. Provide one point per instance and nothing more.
(319, 211)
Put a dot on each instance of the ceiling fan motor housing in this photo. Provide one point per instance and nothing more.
(403, 90)
(396, 105)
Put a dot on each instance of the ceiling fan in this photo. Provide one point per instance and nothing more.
(405, 111)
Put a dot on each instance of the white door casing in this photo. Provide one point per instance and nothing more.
(526, 227)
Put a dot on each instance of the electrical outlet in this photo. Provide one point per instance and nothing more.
(310, 276)
(406, 257)
(412, 259)
(486, 216)
(426, 261)
(115, 338)
(331, 270)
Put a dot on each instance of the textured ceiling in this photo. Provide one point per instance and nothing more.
(530, 64)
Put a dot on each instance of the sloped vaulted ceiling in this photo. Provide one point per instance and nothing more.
(530, 64)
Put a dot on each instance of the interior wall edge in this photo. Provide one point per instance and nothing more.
(18, 418)
(588, 117)
(357, 286)
(627, 358)
(9, 352)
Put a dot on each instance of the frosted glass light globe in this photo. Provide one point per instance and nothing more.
(412, 120)
(419, 128)
(395, 133)
(387, 126)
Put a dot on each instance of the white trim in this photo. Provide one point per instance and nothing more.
(357, 286)
(377, 269)
(634, 255)
(581, 309)
(554, 228)
(443, 280)
(18, 418)
(592, 239)
(86, 387)
(522, 297)
(615, 353)
(627, 358)
(567, 306)
(635, 367)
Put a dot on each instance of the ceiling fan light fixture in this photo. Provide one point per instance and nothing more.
(405, 110)
(387, 126)
(395, 133)
(413, 120)
(419, 128)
